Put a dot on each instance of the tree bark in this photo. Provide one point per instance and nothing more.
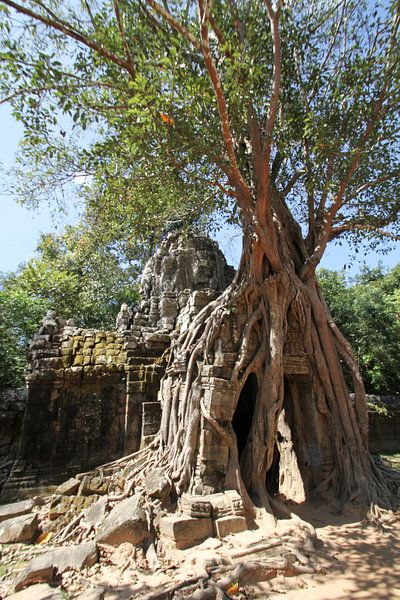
(249, 329)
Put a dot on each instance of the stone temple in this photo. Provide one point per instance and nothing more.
(93, 395)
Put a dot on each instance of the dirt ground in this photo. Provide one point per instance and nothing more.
(354, 560)
(364, 563)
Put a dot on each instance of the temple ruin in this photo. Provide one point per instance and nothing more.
(94, 396)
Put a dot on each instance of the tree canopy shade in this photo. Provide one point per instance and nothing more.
(285, 118)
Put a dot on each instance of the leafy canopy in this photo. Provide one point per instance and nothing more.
(367, 310)
(70, 274)
(125, 92)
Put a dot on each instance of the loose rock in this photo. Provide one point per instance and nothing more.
(158, 484)
(44, 567)
(69, 487)
(126, 522)
(39, 592)
(19, 529)
(16, 509)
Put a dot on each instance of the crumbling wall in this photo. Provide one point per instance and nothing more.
(384, 424)
(93, 395)
(12, 407)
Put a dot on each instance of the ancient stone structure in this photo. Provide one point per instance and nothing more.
(93, 396)
(12, 407)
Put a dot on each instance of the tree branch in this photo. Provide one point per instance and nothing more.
(49, 88)
(273, 106)
(292, 181)
(375, 182)
(174, 23)
(338, 202)
(69, 32)
(337, 231)
(128, 55)
(244, 199)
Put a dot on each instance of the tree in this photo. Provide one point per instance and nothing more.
(366, 309)
(70, 275)
(288, 117)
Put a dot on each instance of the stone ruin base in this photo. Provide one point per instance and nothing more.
(200, 517)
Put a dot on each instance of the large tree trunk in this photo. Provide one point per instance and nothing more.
(254, 398)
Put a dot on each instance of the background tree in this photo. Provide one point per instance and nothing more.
(366, 309)
(70, 274)
(289, 116)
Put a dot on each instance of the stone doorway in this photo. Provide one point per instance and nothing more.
(243, 417)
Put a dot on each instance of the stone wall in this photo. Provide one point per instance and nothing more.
(12, 407)
(384, 424)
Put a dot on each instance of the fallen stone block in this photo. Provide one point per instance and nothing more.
(95, 514)
(127, 522)
(227, 525)
(185, 531)
(195, 506)
(19, 529)
(157, 484)
(69, 487)
(44, 567)
(92, 485)
(16, 509)
(41, 591)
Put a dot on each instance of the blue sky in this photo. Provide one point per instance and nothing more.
(20, 228)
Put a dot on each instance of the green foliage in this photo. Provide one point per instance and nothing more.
(150, 135)
(72, 275)
(367, 310)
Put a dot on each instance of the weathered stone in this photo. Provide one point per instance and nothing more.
(127, 522)
(95, 514)
(185, 531)
(96, 594)
(42, 591)
(16, 509)
(92, 485)
(196, 506)
(226, 504)
(157, 484)
(227, 525)
(69, 487)
(43, 568)
(18, 529)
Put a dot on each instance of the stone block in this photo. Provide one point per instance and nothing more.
(16, 509)
(157, 484)
(68, 488)
(92, 485)
(43, 568)
(41, 591)
(127, 522)
(228, 525)
(185, 531)
(96, 513)
(151, 418)
(18, 529)
(196, 506)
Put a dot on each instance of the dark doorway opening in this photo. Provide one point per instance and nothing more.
(243, 417)
(272, 475)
